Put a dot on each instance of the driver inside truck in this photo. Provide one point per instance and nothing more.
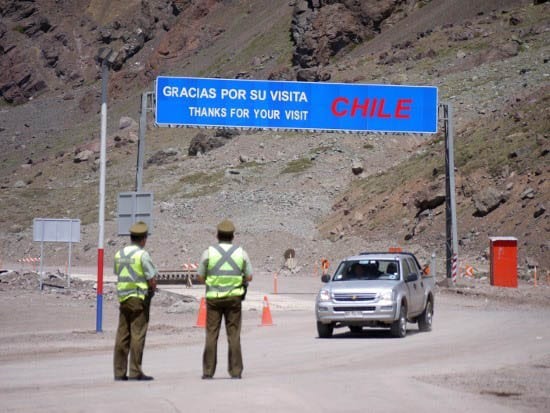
(357, 272)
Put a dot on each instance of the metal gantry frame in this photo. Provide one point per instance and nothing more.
(445, 114)
(147, 105)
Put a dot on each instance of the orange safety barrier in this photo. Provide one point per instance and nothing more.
(190, 267)
(324, 266)
(30, 260)
(266, 313)
(201, 318)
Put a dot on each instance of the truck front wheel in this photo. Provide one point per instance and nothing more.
(399, 327)
(324, 330)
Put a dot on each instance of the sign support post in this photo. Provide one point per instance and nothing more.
(69, 265)
(41, 256)
(55, 230)
(450, 204)
(147, 99)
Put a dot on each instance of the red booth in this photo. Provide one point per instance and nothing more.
(504, 261)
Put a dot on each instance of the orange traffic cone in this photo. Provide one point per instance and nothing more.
(266, 314)
(201, 319)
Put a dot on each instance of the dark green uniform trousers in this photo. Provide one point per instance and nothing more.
(230, 309)
(130, 337)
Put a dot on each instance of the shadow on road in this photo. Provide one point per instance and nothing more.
(367, 333)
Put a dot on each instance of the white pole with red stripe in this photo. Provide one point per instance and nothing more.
(102, 163)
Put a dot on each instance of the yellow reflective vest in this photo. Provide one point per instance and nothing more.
(224, 273)
(131, 277)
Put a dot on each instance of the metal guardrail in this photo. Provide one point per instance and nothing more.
(186, 277)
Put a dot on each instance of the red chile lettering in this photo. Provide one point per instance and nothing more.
(364, 107)
(381, 113)
(335, 104)
(403, 105)
(372, 108)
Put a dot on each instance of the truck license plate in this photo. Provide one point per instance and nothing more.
(353, 313)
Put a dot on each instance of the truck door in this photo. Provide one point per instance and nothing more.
(416, 291)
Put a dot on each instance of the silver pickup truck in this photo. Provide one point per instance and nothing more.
(376, 290)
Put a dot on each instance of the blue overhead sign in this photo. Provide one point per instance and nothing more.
(264, 104)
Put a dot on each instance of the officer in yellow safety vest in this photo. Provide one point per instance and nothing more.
(136, 285)
(226, 270)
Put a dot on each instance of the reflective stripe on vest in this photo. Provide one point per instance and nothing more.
(131, 278)
(224, 274)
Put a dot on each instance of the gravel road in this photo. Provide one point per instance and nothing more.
(484, 355)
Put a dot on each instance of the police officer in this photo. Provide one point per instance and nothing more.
(224, 268)
(136, 285)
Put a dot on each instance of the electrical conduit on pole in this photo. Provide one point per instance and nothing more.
(452, 187)
(103, 150)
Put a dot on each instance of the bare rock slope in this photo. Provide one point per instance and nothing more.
(321, 194)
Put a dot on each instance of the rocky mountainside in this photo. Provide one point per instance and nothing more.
(324, 195)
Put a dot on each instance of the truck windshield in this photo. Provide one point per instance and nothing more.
(367, 270)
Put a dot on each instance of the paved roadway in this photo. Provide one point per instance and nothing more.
(288, 369)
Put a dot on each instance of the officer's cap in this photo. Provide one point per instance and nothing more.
(226, 227)
(139, 229)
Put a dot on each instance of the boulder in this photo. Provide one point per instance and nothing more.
(539, 210)
(127, 122)
(528, 193)
(428, 198)
(162, 156)
(19, 81)
(487, 201)
(226, 133)
(201, 144)
(83, 156)
(321, 33)
(37, 26)
(357, 167)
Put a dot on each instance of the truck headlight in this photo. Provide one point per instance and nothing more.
(324, 295)
(385, 295)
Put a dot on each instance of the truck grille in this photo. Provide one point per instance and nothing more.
(354, 297)
(354, 308)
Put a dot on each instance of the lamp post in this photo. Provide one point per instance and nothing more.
(106, 57)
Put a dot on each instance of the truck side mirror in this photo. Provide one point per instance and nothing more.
(325, 278)
(412, 277)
